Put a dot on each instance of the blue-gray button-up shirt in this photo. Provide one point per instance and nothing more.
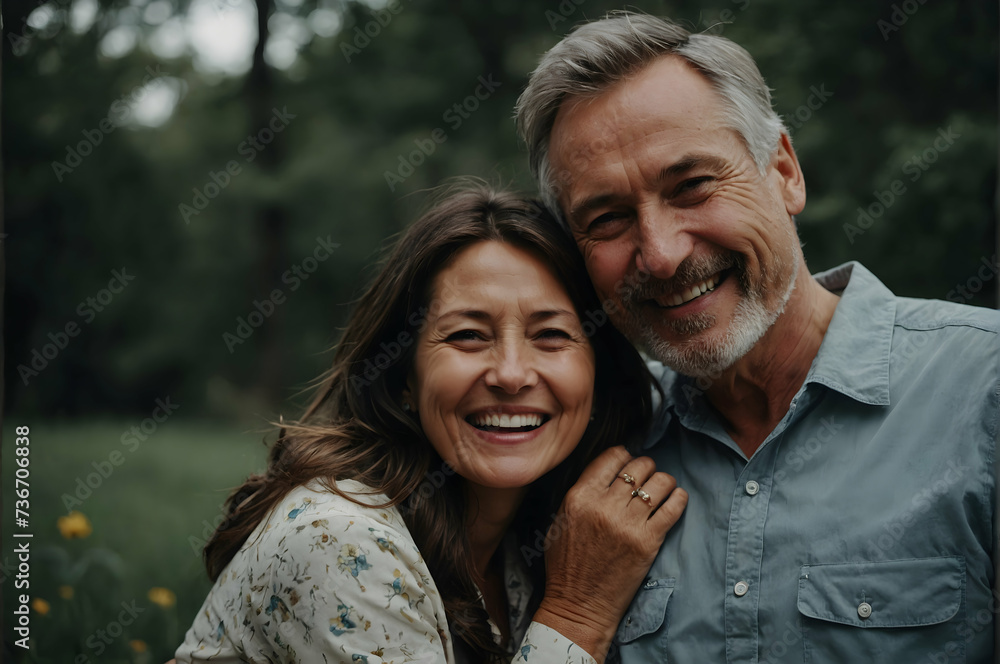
(862, 529)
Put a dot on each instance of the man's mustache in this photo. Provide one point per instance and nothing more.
(692, 270)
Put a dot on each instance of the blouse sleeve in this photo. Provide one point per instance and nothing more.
(545, 645)
(351, 589)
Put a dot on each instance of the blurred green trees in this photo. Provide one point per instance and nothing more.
(212, 211)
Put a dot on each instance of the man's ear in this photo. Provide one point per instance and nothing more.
(792, 182)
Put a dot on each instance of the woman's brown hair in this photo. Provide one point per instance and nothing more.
(356, 427)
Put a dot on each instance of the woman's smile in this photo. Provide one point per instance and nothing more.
(508, 425)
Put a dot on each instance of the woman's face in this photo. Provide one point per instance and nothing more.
(503, 376)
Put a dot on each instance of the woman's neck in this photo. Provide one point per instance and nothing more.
(490, 514)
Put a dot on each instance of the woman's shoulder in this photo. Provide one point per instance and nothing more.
(352, 499)
(319, 568)
(314, 516)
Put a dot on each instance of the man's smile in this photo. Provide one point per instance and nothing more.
(690, 292)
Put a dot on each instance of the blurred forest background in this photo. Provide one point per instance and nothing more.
(195, 191)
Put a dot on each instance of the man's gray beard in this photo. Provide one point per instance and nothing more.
(701, 358)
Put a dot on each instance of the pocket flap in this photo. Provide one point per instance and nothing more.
(893, 593)
(647, 611)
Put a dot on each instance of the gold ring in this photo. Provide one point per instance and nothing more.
(642, 495)
(628, 478)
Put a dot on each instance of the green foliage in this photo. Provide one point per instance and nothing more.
(150, 515)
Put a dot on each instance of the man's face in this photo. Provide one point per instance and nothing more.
(677, 225)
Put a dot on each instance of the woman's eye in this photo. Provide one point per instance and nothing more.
(553, 336)
(554, 333)
(465, 335)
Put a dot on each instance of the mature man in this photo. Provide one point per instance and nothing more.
(837, 442)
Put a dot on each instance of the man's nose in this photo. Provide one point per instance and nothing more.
(662, 243)
(512, 369)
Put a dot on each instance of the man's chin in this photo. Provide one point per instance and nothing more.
(698, 346)
(696, 357)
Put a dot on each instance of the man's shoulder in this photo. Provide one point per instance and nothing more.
(920, 314)
(946, 343)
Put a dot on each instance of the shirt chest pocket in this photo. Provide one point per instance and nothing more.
(646, 616)
(883, 612)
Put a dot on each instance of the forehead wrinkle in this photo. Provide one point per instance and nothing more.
(548, 314)
(641, 100)
(474, 314)
(529, 303)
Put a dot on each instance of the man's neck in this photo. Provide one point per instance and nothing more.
(754, 394)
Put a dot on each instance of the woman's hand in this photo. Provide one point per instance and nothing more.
(601, 545)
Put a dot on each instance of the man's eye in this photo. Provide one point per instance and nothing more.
(692, 185)
(607, 225)
(605, 218)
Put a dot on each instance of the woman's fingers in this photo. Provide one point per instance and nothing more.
(670, 511)
(654, 492)
(603, 470)
(633, 475)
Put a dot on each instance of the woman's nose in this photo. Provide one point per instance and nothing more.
(512, 369)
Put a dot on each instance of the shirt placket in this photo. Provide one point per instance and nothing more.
(751, 497)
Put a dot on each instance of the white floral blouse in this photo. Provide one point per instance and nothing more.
(326, 580)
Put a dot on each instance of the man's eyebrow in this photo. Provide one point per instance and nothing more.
(690, 162)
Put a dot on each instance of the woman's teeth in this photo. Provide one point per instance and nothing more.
(506, 421)
(693, 291)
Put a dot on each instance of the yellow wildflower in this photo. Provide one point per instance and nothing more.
(138, 645)
(66, 592)
(162, 596)
(40, 606)
(74, 524)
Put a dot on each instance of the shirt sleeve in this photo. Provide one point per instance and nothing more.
(544, 645)
(346, 588)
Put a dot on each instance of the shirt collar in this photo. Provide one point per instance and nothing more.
(854, 356)
(852, 359)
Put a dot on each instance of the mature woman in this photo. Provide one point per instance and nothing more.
(404, 517)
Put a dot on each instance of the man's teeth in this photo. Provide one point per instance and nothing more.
(507, 421)
(693, 291)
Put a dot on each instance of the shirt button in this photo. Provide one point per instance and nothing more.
(864, 610)
(650, 583)
(741, 588)
(628, 621)
(752, 488)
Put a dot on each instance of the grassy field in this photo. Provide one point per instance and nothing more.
(150, 503)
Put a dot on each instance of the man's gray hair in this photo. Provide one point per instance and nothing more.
(595, 55)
